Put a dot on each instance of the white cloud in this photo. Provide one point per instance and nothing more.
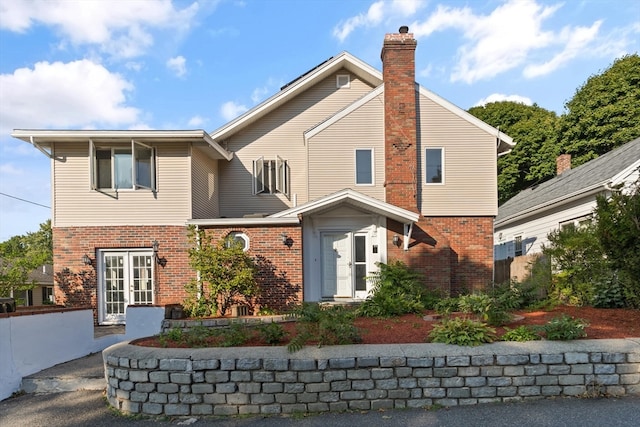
(372, 17)
(506, 38)
(121, 29)
(77, 94)
(178, 65)
(196, 122)
(498, 97)
(230, 110)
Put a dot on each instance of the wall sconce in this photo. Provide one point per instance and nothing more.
(286, 240)
(86, 260)
(396, 240)
(161, 261)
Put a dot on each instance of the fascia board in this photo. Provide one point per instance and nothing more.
(244, 221)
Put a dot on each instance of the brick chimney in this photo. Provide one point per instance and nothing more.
(398, 73)
(563, 163)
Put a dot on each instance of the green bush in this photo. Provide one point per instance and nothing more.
(521, 333)
(446, 306)
(323, 325)
(564, 328)
(272, 333)
(397, 290)
(173, 335)
(234, 335)
(608, 293)
(460, 331)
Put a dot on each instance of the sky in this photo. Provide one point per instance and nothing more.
(185, 64)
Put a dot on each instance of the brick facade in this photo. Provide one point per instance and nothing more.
(76, 284)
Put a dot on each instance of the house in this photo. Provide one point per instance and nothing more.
(341, 169)
(525, 220)
(38, 290)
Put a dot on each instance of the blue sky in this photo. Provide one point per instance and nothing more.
(196, 65)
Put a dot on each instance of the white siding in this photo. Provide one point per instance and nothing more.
(534, 229)
(76, 204)
(204, 171)
(470, 164)
(332, 152)
(280, 133)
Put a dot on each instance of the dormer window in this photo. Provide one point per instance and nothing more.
(122, 167)
(343, 81)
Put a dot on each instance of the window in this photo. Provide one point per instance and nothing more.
(239, 238)
(517, 241)
(580, 222)
(271, 176)
(343, 81)
(364, 166)
(122, 167)
(434, 165)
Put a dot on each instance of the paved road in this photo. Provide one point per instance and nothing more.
(88, 408)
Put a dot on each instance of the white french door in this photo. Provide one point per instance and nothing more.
(344, 265)
(126, 277)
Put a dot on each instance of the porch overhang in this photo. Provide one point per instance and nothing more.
(357, 200)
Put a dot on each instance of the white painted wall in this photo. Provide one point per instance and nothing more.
(29, 344)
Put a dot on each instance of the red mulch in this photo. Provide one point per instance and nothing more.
(412, 328)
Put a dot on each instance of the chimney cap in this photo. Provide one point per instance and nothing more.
(403, 30)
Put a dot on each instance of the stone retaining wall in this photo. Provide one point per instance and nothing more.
(268, 380)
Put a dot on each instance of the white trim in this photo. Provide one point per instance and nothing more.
(239, 234)
(345, 85)
(230, 222)
(373, 167)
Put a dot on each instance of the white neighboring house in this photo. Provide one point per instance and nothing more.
(525, 220)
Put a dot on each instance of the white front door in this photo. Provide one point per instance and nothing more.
(344, 265)
(126, 278)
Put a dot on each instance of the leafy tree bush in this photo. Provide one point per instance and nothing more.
(226, 275)
(272, 333)
(521, 333)
(564, 328)
(397, 290)
(446, 306)
(618, 232)
(460, 331)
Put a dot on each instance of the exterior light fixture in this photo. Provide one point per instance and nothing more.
(86, 260)
(286, 240)
(396, 240)
(162, 261)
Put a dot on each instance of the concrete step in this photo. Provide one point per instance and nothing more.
(85, 373)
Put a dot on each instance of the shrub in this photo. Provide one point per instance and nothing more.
(461, 331)
(521, 333)
(323, 325)
(272, 333)
(234, 335)
(396, 290)
(173, 335)
(608, 292)
(563, 328)
(226, 275)
(447, 306)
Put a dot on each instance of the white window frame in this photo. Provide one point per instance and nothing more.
(343, 81)
(426, 174)
(578, 222)
(237, 236)
(135, 150)
(355, 168)
(271, 176)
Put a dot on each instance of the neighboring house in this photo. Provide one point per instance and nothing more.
(524, 221)
(343, 168)
(40, 284)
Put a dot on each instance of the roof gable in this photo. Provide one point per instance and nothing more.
(591, 176)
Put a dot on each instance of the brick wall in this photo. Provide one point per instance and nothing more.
(455, 254)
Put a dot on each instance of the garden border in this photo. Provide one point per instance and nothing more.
(270, 380)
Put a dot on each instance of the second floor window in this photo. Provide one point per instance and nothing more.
(364, 166)
(125, 167)
(271, 176)
(518, 248)
(434, 165)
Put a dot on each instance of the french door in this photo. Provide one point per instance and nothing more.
(344, 265)
(126, 277)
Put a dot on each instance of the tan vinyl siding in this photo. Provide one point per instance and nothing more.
(280, 133)
(470, 166)
(76, 204)
(204, 172)
(332, 152)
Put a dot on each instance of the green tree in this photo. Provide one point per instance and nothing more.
(226, 275)
(531, 127)
(618, 231)
(603, 114)
(20, 255)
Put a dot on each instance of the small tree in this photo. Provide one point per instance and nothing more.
(226, 275)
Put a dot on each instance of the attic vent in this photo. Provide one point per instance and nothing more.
(343, 81)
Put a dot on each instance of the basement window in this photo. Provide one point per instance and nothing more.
(343, 81)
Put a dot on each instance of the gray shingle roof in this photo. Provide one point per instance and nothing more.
(597, 171)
